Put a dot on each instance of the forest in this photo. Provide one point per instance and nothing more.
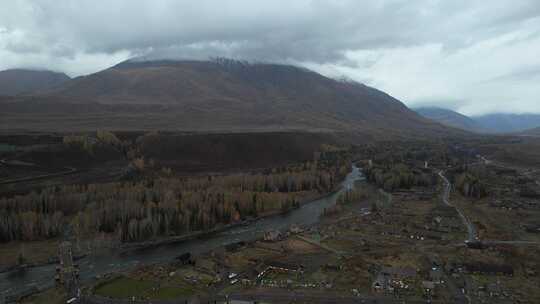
(166, 205)
(392, 166)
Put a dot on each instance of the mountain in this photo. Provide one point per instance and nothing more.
(450, 118)
(18, 81)
(220, 95)
(489, 123)
(508, 123)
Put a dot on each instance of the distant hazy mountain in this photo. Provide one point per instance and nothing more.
(507, 123)
(19, 81)
(490, 123)
(450, 118)
(226, 95)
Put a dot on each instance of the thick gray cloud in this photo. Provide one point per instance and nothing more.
(473, 56)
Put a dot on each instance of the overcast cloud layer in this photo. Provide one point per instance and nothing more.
(472, 56)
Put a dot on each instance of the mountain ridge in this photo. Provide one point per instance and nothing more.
(26, 81)
(227, 94)
(450, 118)
(508, 122)
(488, 123)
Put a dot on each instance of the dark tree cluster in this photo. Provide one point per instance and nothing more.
(471, 184)
(471, 179)
(399, 176)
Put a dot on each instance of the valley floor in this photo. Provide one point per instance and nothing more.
(397, 236)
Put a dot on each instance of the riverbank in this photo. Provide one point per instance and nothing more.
(95, 266)
(124, 248)
(206, 233)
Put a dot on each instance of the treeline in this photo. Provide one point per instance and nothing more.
(471, 185)
(397, 176)
(90, 143)
(415, 154)
(163, 206)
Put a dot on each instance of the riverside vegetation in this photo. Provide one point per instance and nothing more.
(158, 203)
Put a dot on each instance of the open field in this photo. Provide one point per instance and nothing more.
(127, 288)
(51, 296)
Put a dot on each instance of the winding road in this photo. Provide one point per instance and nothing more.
(471, 230)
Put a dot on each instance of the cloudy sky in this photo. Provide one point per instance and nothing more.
(472, 56)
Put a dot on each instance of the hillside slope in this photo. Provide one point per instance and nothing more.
(19, 81)
(226, 95)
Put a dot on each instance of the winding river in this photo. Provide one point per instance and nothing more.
(43, 276)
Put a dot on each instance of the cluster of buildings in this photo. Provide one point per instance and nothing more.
(394, 280)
